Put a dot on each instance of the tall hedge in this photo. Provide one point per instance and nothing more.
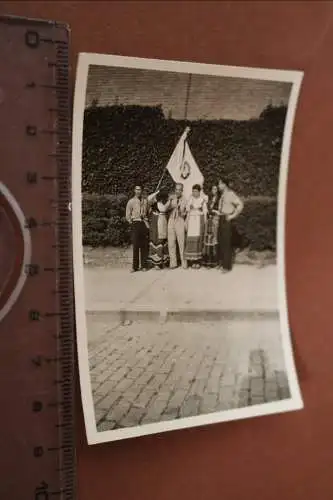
(104, 222)
(125, 145)
(255, 227)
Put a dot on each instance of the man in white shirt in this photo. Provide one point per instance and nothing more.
(230, 206)
(137, 217)
(176, 226)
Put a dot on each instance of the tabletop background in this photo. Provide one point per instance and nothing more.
(273, 457)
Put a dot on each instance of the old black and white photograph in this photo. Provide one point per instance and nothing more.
(180, 177)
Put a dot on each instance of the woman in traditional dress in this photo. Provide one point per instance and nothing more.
(158, 229)
(195, 227)
(212, 225)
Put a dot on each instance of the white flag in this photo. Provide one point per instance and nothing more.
(182, 166)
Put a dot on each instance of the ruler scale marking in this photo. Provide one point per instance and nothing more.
(43, 452)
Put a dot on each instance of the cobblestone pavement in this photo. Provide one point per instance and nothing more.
(148, 372)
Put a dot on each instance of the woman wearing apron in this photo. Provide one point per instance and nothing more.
(158, 230)
(210, 239)
(195, 227)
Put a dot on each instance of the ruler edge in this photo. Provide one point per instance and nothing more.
(72, 471)
(21, 20)
(12, 20)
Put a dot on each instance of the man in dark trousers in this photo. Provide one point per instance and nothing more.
(137, 217)
(230, 206)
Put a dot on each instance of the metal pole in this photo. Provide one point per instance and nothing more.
(187, 94)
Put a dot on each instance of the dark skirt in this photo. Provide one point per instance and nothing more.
(210, 240)
(158, 247)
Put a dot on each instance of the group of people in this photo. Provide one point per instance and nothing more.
(197, 230)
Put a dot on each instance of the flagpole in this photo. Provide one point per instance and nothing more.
(188, 89)
(189, 81)
(160, 181)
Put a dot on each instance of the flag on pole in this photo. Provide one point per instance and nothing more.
(182, 166)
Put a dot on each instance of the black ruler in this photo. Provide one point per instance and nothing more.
(37, 452)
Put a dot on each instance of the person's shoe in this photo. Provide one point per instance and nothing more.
(134, 271)
(225, 271)
(144, 269)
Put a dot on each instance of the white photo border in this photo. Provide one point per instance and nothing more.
(295, 402)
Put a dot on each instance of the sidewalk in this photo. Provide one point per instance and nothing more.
(180, 294)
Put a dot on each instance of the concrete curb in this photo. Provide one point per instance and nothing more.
(183, 315)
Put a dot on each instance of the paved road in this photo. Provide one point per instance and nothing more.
(147, 372)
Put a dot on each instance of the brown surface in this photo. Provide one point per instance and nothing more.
(283, 456)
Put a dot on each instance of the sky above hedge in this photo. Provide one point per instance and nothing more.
(211, 97)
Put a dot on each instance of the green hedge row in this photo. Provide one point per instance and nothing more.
(104, 222)
(126, 145)
(256, 225)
